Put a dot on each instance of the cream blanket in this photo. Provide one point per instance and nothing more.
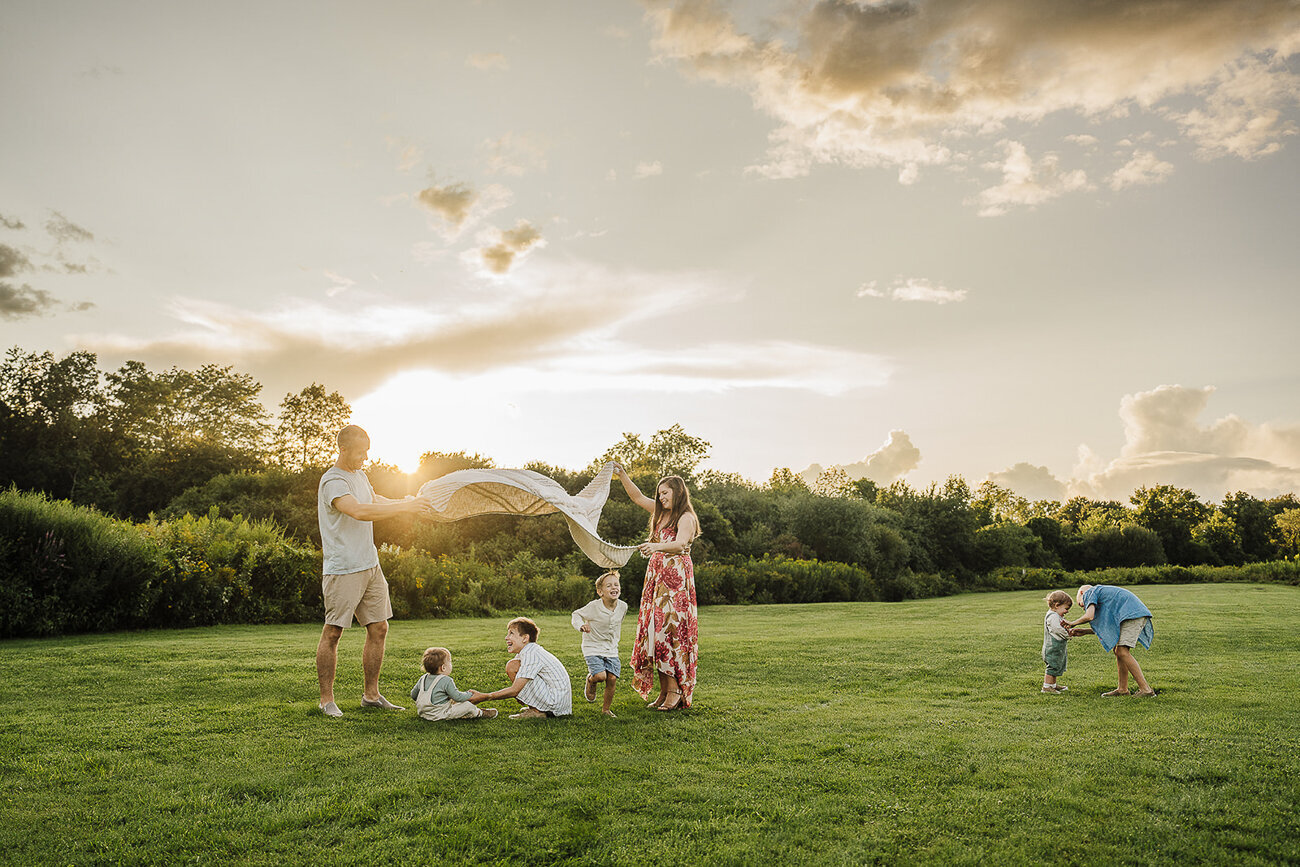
(466, 493)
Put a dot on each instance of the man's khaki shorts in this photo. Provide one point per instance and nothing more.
(1129, 630)
(360, 594)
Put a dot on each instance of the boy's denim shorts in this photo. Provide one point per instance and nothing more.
(597, 664)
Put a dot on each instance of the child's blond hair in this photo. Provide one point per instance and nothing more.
(435, 658)
(1056, 597)
(612, 573)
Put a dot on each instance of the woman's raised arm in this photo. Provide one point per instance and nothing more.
(633, 492)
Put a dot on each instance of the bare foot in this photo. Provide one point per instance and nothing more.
(489, 713)
(528, 713)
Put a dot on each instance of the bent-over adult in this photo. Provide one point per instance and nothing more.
(352, 582)
(667, 634)
(1121, 622)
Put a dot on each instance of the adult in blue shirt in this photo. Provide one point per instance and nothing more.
(1121, 622)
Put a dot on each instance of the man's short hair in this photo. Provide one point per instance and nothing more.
(435, 658)
(524, 626)
(351, 435)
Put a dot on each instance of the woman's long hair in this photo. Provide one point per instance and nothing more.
(681, 505)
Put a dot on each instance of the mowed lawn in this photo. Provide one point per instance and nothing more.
(837, 734)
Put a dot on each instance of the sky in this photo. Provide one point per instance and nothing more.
(1053, 245)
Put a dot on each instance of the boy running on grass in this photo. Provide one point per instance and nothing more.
(601, 623)
(539, 681)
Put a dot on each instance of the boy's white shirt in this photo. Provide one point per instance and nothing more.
(1056, 626)
(606, 627)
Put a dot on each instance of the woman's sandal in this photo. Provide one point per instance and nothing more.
(667, 707)
(1114, 693)
(654, 705)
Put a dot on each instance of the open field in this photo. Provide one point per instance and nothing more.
(835, 733)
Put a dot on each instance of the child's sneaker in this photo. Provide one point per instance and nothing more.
(1053, 690)
(1060, 688)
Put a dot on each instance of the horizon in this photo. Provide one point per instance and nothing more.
(1043, 246)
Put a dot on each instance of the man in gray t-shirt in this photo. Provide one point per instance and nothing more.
(352, 582)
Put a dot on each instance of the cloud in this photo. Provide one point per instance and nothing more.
(930, 82)
(1165, 444)
(408, 154)
(890, 462)
(488, 62)
(913, 289)
(11, 222)
(1026, 183)
(13, 261)
(20, 302)
(1143, 168)
(461, 206)
(339, 283)
(558, 328)
(513, 243)
(513, 155)
(1243, 111)
(1031, 482)
(648, 170)
(63, 230)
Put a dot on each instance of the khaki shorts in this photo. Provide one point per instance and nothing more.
(1129, 630)
(360, 594)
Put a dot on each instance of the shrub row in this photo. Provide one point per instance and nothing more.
(66, 568)
(1272, 572)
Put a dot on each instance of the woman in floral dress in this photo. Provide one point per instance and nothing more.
(666, 631)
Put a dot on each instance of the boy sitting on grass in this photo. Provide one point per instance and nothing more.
(601, 623)
(436, 696)
(539, 681)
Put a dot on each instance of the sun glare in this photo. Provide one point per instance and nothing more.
(422, 411)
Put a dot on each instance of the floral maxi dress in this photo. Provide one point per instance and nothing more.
(666, 630)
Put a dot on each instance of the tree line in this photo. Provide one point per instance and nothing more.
(135, 442)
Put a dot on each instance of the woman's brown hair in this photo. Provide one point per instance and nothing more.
(681, 505)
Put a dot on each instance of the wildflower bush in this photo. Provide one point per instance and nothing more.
(66, 568)
(232, 570)
(425, 585)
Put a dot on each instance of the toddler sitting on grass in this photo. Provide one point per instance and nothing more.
(436, 696)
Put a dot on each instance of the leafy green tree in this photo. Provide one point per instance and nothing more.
(214, 405)
(1051, 534)
(785, 482)
(1007, 543)
(306, 434)
(994, 503)
(1127, 545)
(938, 525)
(1253, 518)
(1288, 531)
(1218, 533)
(670, 452)
(1172, 513)
(834, 482)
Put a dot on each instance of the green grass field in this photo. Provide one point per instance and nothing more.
(839, 734)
